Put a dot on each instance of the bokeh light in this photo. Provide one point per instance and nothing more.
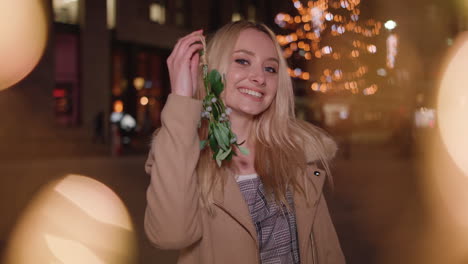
(445, 170)
(144, 100)
(118, 106)
(453, 105)
(390, 25)
(23, 34)
(74, 220)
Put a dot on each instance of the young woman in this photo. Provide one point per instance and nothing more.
(264, 207)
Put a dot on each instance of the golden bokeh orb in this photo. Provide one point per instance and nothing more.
(23, 34)
(75, 219)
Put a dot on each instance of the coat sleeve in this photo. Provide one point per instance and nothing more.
(326, 238)
(172, 219)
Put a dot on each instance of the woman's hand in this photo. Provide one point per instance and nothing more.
(183, 64)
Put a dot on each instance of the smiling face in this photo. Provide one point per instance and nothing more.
(252, 75)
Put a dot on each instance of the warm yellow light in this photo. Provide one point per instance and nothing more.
(305, 76)
(356, 43)
(297, 19)
(67, 250)
(236, 17)
(323, 88)
(293, 46)
(453, 105)
(445, 171)
(315, 86)
(308, 56)
(75, 219)
(355, 53)
(23, 34)
(300, 44)
(157, 13)
(138, 83)
(294, 37)
(144, 100)
(118, 106)
(372, 48)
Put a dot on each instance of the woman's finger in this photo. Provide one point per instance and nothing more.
(174, 52)
(183, 39)
(186, 44)
(194, 69)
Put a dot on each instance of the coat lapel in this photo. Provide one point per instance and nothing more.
(312, 183)
(232, 202)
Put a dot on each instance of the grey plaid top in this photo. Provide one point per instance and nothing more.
(276, 227)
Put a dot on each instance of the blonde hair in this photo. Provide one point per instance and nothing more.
(280, 139)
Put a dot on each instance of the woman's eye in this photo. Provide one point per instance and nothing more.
(270, 69)
(242, 61)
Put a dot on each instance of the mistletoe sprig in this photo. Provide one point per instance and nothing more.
(221, 139)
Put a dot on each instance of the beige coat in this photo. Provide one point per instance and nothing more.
(174, 219)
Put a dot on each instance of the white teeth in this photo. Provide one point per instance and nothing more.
(250, 92)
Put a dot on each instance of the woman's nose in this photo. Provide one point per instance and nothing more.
(257, 76)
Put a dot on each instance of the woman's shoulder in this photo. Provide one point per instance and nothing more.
(317, 142)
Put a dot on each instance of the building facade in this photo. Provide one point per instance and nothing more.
(105, 56)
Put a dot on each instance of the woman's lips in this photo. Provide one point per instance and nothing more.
(251, 93)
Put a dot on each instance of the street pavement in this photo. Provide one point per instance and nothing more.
(375, 201)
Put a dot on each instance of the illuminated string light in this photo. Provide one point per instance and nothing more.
(316, 18)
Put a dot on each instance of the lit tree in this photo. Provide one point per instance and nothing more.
(336, 47)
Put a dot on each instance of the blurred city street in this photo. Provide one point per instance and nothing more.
(83, 84)
(375, 204)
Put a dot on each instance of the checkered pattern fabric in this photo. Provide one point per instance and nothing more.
(276, 226)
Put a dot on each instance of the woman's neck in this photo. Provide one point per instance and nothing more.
(241, 125)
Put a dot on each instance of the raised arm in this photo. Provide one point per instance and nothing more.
(172, 219)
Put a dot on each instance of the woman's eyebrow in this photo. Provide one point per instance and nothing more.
(253, 54)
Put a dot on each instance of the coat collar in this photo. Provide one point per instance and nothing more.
(232, 202)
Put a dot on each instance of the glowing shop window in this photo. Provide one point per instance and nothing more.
(66, 11)
(251, 13)
(110, 14)
(158, 13)
(236, 17)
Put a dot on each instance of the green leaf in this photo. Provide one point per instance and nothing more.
(202, 144)
(212, 141)
(224, 127)
(221, 138)
(229, 157)
(243, 150)
(216, 156)
(217, 88)
(215, 111)
(216, 82)
(214, 76)
(225, 154)
(224, 134)
(222, 155)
